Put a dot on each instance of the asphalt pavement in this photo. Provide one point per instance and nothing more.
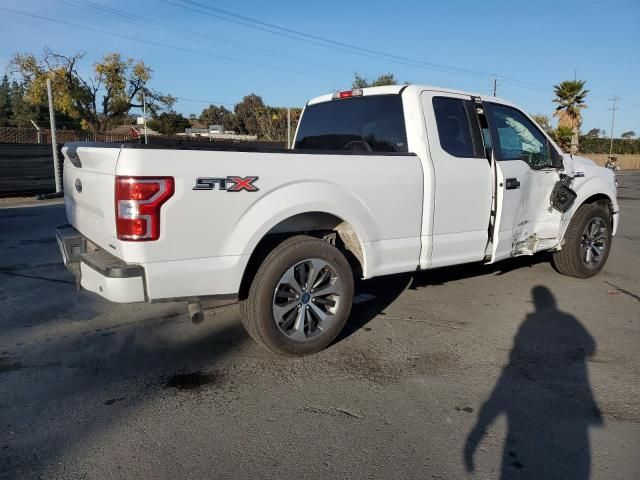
(507, 371)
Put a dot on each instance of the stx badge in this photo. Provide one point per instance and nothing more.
(230, 183)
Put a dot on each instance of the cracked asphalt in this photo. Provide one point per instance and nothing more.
(509, 371)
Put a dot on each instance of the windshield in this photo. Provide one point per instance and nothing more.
(372, 123)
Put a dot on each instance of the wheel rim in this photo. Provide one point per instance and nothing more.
(594, 243)
(307, 299)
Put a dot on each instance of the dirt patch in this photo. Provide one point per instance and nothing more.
(6, 365)
(194, 380)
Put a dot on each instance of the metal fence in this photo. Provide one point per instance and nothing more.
(26, 163)
(43, 136)
(26, 169)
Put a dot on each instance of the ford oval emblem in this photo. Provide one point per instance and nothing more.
(78, 185)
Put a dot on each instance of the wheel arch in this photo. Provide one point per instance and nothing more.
(319, 224)
(597, 191)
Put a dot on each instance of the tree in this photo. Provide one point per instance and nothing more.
(169, 123)
(563, 137)
(245, 121)
(629, 134)
(22, 112)
(543, 121)
(570, 97)
(383, 79)
(272, 122)
(217, 115)
(5, 102)
(100, 100)
(594, 133)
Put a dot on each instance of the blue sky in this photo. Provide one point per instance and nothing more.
(519, 41)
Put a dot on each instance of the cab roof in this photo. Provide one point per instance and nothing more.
(397, 89)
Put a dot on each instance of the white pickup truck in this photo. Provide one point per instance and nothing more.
(380, 180)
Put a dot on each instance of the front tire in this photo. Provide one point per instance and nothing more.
(587, 243)
(300, 297)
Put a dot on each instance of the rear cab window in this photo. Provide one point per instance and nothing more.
(370, 123)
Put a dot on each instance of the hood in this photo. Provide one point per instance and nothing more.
(576, 166)
(582, 162)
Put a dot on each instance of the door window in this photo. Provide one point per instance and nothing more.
(516, 137)
(453, 127)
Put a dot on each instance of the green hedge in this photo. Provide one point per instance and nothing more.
(601, 145)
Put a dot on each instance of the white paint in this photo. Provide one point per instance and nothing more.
(118, 290)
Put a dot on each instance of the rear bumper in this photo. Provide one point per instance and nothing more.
(98, 271)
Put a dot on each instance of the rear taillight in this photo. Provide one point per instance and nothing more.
(138, 202)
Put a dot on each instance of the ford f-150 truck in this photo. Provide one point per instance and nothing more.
(379, 181)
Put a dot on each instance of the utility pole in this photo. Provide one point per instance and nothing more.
(54, 143)
(144, 117)
(613, 109)
(495, 86)
(288, 127)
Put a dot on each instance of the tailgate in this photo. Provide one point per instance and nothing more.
(89, 178)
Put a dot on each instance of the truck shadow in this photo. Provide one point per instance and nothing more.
(386, 290)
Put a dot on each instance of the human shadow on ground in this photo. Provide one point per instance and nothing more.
(545, 393)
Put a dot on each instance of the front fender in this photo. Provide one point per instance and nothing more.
(588, 187)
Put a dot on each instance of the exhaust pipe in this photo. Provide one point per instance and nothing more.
(195, 312)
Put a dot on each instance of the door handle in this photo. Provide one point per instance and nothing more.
(512, 183)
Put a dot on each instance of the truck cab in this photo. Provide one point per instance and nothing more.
(489, 172)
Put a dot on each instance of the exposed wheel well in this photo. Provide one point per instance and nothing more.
(602, 200)
(316, 224)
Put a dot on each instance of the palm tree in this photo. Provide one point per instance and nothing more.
(570, 96)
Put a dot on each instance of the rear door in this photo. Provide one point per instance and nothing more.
(463, 180)
(89, 179)
(526, 222)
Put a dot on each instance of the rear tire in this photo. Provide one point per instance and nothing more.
(300, 297)
(587, 243)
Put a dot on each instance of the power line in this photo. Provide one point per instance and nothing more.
(93, 7)
(211, 102)
(164, 45)
(317, 40)
(299, 35)
(335, 42)
(629, 103)
(286, 32)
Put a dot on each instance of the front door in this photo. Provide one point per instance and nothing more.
(463, 185)
(525, 221)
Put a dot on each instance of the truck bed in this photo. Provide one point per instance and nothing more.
(208, 234)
